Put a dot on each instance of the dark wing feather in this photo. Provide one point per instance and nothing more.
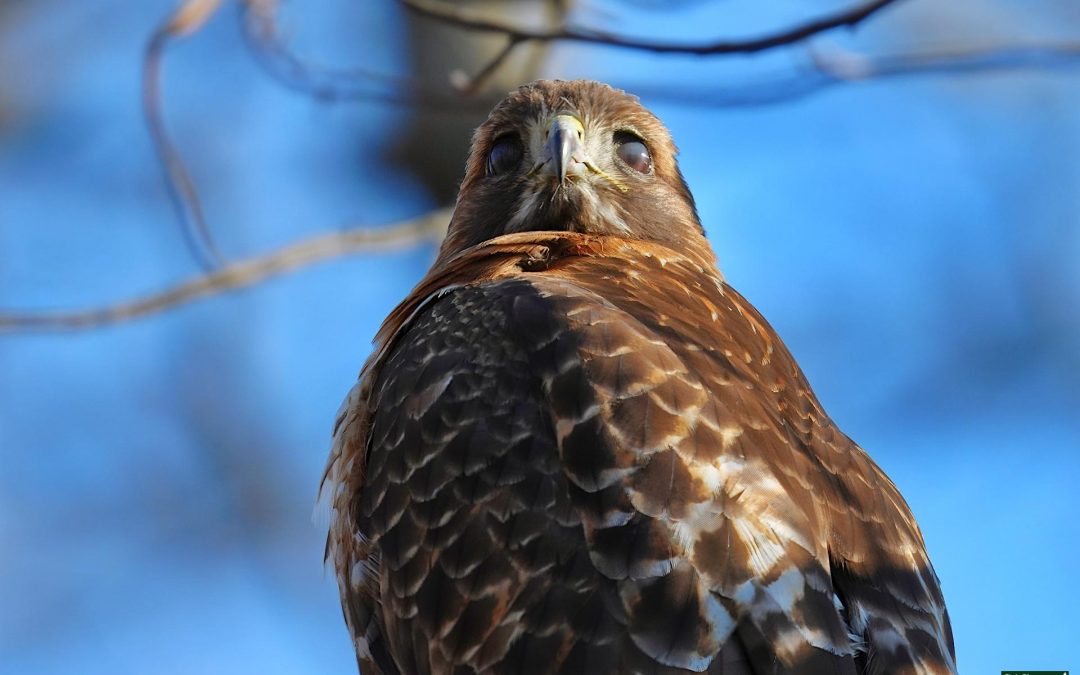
(785, 521)
(481, 559)
(574, 454)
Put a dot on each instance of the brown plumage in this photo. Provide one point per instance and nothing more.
(576, 449)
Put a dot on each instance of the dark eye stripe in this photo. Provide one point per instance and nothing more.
(633, 151)
(505, 155)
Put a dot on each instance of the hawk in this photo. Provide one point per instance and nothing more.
(576, 449)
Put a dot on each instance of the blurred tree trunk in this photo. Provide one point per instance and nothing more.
(435, 144)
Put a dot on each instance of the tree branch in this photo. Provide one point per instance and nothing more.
(833, 67)
(470, 84)
(263, 36)
(273, 54)
(470, 20)
(186, 20)
(430, 227)
(848, 66)
(826, 68)
(277, 59)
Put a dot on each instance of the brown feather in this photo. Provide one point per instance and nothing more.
(581, 451)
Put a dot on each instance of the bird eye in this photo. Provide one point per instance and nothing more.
(504, 156)
(632, 150)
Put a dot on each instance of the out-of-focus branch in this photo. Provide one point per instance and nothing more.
(186, 20)
(428, 228)
(470, 84)
(264, 37)
(828, 67)
(465, 18)
(272, 52)
(848, 66)
(323, 83)
(517, 34)
(832, 67)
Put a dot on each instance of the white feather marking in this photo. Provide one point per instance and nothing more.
(855, 636)
(710, 475)
(425, 398)
(605, 211)
(565, 425)
(721, 620)
(782, 595)
(357, 574)
(729, 435)
(765, 550)
(744, 593)
(684, 533)
(525, 210)
(788, 589)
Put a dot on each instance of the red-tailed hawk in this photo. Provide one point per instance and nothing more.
(577, 450)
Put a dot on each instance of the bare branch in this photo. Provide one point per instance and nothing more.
(186, 20)
(832, 67)
(190, 17)
(470, 84)
(471, 20)
(849, 66)
(277, 59)
(263, 36)
(827, 68)
(275, 56)
(430, 227)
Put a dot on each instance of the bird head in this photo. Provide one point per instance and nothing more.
(574, 156)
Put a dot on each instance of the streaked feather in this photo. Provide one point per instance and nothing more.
(579, 452)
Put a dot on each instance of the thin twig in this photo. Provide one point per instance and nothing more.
(277, 59)
(829, 68)
(832, 68)
(430, 227)
(470, 20)
(263, 35)
(187, 19)
(849, 66)
(470, 84)
(274, 55)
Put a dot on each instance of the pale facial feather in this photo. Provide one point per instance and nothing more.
(610, 199)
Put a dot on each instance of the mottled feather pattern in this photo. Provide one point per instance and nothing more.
(576, 450)
(578, 453)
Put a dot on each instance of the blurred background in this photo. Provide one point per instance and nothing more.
(910, 224)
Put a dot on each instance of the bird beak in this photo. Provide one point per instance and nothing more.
(564, 149)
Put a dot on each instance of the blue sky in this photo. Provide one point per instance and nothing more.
(916, 242)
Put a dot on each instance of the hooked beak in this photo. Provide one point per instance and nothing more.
(564, 150)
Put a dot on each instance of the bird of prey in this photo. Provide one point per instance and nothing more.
(576, 449)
